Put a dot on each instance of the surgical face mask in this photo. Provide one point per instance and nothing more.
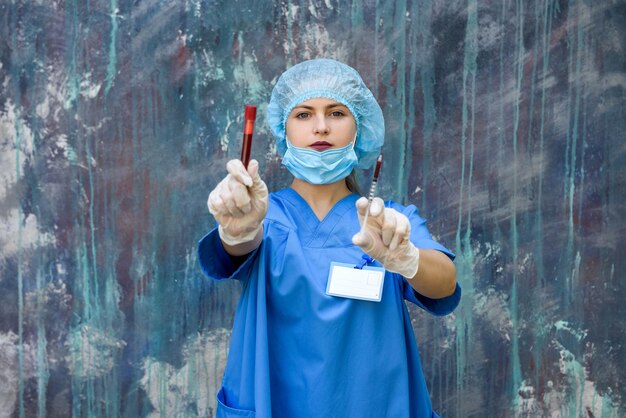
(320, 167)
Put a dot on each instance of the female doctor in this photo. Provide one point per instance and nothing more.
(306, 340)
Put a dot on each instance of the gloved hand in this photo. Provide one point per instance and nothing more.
(386, 238)
(239, 203)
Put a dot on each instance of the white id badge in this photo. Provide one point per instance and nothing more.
(346, 281)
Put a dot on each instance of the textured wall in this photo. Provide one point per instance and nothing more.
(505, 124)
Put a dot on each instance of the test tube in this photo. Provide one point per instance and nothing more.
(249, 117)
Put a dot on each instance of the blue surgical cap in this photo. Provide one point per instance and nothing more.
(332, 80)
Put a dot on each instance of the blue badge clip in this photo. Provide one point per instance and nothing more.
(365, 260)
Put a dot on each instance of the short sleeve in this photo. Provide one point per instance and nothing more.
(421, 238)
(437, 307)
(215, 262)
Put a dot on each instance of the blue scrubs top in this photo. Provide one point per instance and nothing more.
(295, 351)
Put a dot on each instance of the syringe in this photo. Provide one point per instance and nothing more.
(370, 197)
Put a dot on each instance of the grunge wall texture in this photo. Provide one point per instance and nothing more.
(505, 126)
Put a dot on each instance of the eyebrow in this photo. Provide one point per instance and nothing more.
(336, 104)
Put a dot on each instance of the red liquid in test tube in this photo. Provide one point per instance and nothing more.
(248, 128)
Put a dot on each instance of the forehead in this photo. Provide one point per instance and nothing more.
(319, 103)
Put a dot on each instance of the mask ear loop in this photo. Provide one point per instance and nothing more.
(353, 142)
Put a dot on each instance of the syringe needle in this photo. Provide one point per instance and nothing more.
(367, 213)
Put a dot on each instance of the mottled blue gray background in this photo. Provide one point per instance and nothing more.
(505, 126)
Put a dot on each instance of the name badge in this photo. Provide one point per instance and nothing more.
(346, 281)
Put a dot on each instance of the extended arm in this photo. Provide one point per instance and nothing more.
(386, 238)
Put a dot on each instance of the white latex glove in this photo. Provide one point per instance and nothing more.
(386, 238)
(239, 203)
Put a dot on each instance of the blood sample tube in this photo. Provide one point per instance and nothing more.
(248, 128)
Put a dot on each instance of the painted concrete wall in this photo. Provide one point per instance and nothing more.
(505, 126)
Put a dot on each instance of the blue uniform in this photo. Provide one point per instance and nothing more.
(296, 352)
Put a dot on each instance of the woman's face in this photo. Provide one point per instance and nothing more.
(320, 124)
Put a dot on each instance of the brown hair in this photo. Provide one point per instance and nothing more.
(353, 184)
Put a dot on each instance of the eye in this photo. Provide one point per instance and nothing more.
(302, 115)
(337, 113)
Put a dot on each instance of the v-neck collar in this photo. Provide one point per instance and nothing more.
(317, 231)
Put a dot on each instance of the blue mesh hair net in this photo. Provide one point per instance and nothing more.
(332, 80)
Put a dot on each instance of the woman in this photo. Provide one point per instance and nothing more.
(299, 348)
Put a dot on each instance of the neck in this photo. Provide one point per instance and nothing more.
(321, 197)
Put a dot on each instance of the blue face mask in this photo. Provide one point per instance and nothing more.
(320, 167)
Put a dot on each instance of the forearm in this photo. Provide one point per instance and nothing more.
(245, 247)
(436, 275)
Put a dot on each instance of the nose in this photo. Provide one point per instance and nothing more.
(320, 127)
